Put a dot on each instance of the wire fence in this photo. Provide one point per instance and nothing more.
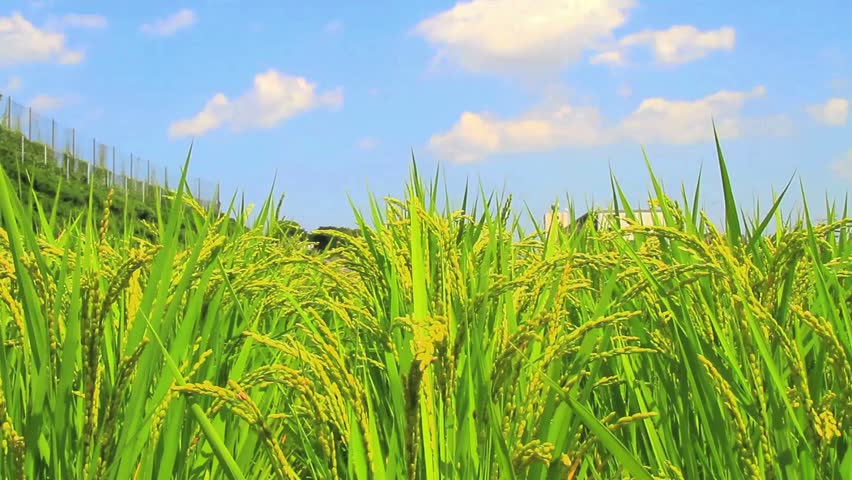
(83, 158)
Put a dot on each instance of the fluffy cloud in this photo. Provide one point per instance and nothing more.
(71, 57)
(503, 35)
(478, 135)
(543, 35)
(171, 24)
(681, 122)
(76, 20)
(273, 98)
(656, 120)
(680, 43)
(834, 112)
(25, 43)
(47, 103)
(609, 57)
(843, 166)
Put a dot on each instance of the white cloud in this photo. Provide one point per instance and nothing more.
(333, 27)
(25, 43)
(71, 57)
(478, 135)
(610, 57)
(12, 84)
(77, 20)
(656, 120)
(834, 112)
(273, 98)
(843, 166)
(368, 143)
(683, 122)
(46, 103)
(171, 24)
(680, 43)
(505, 35)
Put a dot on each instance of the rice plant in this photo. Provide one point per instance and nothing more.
(438, 343)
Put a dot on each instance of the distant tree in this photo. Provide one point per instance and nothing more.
(324, 240)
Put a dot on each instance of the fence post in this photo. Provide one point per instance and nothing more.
(9, 113)
(30, 123)
(132, 178)
(147, 174)
(113, 168)
(74, 144)
(144, 186)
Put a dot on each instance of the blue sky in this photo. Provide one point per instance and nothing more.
(537, 98)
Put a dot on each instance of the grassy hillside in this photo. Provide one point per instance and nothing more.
(63, 187)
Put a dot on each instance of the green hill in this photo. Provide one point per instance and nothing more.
(62, 183)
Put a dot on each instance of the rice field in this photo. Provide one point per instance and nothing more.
(440, 343)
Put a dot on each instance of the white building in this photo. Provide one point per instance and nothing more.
(603, 219)
(561, 217)
(606, 219)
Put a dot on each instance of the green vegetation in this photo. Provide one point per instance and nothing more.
(437, 343)
(67, 183)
